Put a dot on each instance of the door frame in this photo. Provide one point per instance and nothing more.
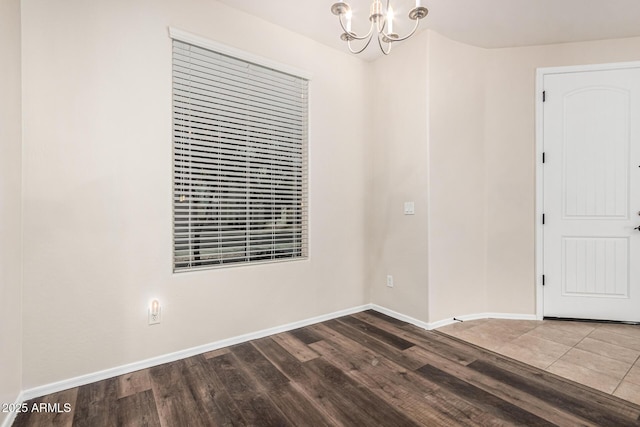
(539, 228)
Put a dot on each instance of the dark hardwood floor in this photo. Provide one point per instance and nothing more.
(366, 369)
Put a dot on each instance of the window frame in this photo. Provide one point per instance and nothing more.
(216, 263)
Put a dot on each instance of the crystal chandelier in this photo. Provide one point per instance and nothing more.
(381, 24)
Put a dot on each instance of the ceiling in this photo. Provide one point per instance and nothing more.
(483, 23)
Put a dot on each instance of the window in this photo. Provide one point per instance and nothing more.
(239, 161)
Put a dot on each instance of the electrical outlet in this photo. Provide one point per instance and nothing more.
(155, 313)
(389, 281)
(154, 318)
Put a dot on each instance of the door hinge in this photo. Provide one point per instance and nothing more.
(544, 157)
(543, 280)
(543, 218)
(544, 96)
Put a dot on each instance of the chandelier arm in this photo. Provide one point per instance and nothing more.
(361, 50)
(386, 52)
(384, 25)
(399, 39)
(352, 34)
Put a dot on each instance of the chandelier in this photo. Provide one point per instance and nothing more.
(381, 24)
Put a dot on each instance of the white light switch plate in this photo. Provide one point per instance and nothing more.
(409, 208)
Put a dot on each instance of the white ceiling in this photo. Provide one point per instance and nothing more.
(484, 23)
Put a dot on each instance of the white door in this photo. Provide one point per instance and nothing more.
(592, 194)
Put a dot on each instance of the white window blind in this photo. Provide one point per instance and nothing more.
(239, 161)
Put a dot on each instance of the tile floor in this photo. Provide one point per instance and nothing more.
(599, 355)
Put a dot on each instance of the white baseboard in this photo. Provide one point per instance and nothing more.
(11, 416)
(182, 354)
(171, 357)
(508, 316)
(400, 316)
(444, 322)
(467, 317)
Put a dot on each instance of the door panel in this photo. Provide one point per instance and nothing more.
(596, 153)
(595, 266)
(591, 195)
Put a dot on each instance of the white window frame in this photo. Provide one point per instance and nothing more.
(280, 235)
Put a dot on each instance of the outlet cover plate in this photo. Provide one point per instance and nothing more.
(155, 319)
(409, 208)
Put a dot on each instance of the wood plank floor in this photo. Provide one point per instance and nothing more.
(366, 369)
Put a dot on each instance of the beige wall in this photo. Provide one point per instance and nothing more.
(397, 243)
(510, 160)
(428, 147)
(97, 188)
(10, 204)
(457, 241)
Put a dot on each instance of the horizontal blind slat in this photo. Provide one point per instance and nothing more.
(214, 69)
(237, 139)
(219, 95)
(236, 126)
(240, 84)
(262, 164)
(192, 81)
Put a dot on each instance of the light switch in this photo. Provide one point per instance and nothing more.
(409, 208)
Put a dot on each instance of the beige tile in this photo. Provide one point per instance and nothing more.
(469, 323)
(542, 345)
(597, 363)
(574, 327)
(633, 375)
(494, 334)
(500, 330)
(534, 351)
(609, 350)
(628, 330)
(616, 338)
(559, 335)
(517, 327)
(628, 391)
(455, 328)
(585, 376)
(488, 340)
